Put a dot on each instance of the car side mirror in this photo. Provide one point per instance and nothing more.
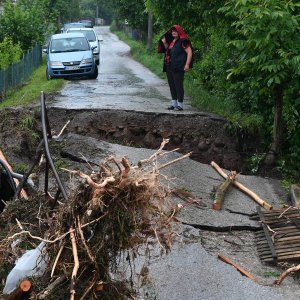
(45, 50)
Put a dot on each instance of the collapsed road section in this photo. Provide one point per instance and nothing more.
(205, 234)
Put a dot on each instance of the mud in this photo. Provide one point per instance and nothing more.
(208, 137)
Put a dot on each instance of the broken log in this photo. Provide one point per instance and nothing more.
(220, 194)
(240, 269)
(241, 187)
(21, 291)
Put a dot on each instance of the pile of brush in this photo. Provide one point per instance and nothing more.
(116, 208)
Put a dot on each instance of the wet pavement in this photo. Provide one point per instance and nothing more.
(122, 83)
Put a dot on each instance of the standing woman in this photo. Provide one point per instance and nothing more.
(178, 56)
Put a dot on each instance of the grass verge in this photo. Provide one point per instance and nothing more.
(30, 91)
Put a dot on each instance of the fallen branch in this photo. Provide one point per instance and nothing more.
(285, 273)
(240, 269)
(45, 293)
(91, 257)
(90, 181)
(175, 160)
(220, 194)
(156, 154)
(241, 187)
(62, 130)
(56, 260)
(58, 238)
(76, 264)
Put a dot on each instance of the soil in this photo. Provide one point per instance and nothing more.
(207, 136)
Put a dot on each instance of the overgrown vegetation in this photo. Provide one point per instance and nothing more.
(10, 52)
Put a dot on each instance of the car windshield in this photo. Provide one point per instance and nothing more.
(90, 35)
(69, 45)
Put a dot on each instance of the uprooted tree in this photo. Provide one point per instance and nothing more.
(115, 209)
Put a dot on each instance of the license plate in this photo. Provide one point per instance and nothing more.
(72, 68)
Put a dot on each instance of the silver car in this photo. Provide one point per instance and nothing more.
(92, 38)
(70, 55)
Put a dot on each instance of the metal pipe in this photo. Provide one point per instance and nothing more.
(46, 146)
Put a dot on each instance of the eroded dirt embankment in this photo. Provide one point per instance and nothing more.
(208, 137)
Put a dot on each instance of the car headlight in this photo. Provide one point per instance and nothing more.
(56, 64)
(96, 51)
(87, 61)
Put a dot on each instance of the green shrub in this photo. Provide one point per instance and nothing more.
(9, 52)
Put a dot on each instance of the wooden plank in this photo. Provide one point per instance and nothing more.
(239, 268)
(279, 222)
(280, 234)
(296, 221)
(279, 252)
(269, 240)
(286, 241)
(282, 240)
(282, 215)
(280, 246)
(282, 258)
(280, 211)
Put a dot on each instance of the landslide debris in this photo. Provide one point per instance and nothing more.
(114, 209)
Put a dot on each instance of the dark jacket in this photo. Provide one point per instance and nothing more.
(176, 56)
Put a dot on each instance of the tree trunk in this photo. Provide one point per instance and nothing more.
(277, 126)
(150, 31)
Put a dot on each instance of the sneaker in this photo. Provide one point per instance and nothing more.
(179, 108)
(171, 107)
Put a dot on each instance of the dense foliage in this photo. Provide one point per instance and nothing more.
(10, 53)
(248, 59)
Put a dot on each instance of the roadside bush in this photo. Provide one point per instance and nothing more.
(9, 52)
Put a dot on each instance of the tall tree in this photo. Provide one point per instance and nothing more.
(268, 47)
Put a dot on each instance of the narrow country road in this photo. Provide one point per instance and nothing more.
(122, 83)
(192, 270)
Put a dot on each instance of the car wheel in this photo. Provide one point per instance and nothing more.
(48, 75)
(98, 62)
(95, 75)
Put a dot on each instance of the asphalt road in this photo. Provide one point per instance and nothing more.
(189, 272)
(122, 83)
